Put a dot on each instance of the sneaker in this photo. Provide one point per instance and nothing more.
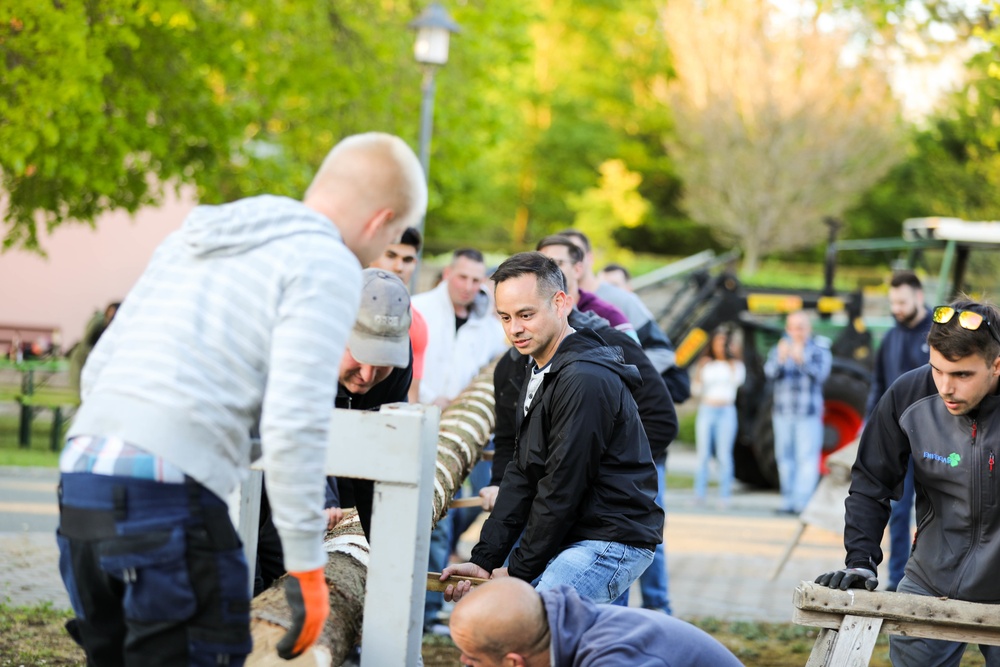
(661, 610)
(438, 629)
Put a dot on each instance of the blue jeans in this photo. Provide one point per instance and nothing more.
(917, 652)
(798, 443)
(155, 572)
(437, 560)
(901, 530)
(715, 430)
(654, 582)
(597, 570)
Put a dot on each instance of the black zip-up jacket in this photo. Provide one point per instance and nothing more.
(956, 551)
(582, 469)
(656, 408)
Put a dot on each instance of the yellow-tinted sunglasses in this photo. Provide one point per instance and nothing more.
(967, 319)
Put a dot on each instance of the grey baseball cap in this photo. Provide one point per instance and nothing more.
(381, 334)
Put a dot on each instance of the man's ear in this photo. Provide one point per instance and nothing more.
(375, 224)
(996, 366)
(561, 301)
(514, 660)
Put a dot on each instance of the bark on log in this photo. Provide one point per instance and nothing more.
(465, 428)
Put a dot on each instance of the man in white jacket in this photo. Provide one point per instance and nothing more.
(464, 333)
(240, 319)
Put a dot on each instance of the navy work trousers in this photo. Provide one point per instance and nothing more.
(155, 572)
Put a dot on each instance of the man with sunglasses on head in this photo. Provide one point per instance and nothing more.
(945, 417)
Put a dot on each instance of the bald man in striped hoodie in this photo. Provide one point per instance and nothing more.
(239, 321)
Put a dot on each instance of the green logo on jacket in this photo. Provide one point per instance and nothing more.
(952, 459)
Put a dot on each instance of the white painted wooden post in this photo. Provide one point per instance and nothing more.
(248, 519)
(397, 448)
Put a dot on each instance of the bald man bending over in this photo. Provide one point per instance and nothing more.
(507, 622)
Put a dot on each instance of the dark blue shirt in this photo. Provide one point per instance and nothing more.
(902, 349)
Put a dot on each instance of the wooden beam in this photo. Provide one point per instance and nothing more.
(925, 629)
(855, 641)
(902, 613)
(472, 501)
(820, 656)
(435, 584)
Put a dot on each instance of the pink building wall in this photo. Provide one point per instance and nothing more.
(85, 269)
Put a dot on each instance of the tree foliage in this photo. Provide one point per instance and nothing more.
(953, 165)
(773, 131)
(102, 101)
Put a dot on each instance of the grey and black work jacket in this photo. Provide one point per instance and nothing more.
(956, 550)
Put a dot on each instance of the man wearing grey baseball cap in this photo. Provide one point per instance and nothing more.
(376, 369)
(381, 334)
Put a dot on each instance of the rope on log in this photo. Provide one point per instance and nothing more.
(465, 428)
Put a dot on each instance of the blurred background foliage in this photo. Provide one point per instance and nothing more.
(549, 113)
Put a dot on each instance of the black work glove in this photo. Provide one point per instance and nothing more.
(849, 577)
(309, 599)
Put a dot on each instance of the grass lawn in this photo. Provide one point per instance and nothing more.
(34, 636)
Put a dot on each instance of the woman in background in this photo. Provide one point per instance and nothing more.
(718, 375)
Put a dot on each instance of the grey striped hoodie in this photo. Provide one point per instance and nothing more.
(241, 317)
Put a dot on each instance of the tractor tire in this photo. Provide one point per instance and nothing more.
(745, 467)
(762, 444)
(844, 397)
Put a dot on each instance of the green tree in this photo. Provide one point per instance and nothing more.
(952, 167)
(774, 132)
(102, 102)
(615, 203)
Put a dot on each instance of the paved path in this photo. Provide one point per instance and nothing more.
(29, 559)
(719, 561)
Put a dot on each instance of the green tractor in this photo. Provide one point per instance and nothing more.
(711, 296)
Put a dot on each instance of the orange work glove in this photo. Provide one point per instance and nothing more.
(309, 598)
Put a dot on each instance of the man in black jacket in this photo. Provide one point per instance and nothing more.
(656, 412)
(945, 417)
(581, 485)
(372, 374)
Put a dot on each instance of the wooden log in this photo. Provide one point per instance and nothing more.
(465, 428)
(266, 636)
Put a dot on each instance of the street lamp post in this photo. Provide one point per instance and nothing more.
(434, 27)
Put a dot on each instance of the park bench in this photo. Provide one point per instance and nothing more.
(33, 391)
(852, 620)
(56, 399)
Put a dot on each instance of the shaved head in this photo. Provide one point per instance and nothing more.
(381, 169)
(372, 187)
(504, 618)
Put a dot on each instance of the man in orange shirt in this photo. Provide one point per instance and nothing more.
(401, 259)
